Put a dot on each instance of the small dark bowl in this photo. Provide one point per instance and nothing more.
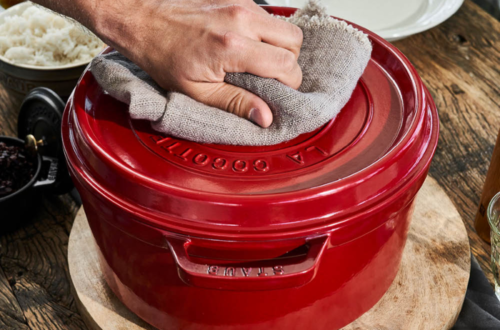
(18, 207)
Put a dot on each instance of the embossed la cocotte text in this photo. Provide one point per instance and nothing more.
(208, 159)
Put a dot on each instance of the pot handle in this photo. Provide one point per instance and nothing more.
(255, 277)
(50, 180)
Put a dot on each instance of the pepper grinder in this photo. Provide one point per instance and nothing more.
(491, 187)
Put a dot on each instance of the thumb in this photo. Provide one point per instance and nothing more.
(232, 99)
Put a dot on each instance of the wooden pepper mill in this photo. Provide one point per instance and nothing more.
(9, 3)
(491, 187)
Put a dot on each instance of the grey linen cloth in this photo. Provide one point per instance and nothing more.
(332, 58)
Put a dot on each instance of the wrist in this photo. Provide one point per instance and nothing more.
(129, 26)
(121, 24)
(112, 22)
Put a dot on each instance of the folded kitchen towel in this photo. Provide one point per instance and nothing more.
(332, 58)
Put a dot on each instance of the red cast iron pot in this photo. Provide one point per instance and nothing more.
(306, 234)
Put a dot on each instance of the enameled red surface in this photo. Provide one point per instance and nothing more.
(305, 234)
(348, 280)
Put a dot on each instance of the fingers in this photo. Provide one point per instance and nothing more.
(255, 23)
(261, 59)
(278, 33)
(232, 99)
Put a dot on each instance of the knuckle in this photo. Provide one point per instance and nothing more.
(235, 102)
(230, 40)
(287, 61)
(237, 12)
(205, 94)
(297, 34)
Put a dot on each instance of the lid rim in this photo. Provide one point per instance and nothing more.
(208, 230)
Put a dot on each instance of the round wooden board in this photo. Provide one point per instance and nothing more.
(427, 293)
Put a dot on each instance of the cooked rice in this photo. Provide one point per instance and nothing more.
(42, 38)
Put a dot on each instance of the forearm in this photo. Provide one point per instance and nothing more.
(80, 10)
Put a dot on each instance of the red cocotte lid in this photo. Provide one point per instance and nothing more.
(378, 145)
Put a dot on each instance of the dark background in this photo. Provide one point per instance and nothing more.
(491, 6)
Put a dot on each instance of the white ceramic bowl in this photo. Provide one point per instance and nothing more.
(22, 78)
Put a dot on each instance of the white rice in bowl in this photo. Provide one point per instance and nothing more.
(40, 37)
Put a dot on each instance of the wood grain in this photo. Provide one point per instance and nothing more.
(12, 316)
(429, 289)
(36, 292)
(9, 110)
(459, 63)
(427, 293)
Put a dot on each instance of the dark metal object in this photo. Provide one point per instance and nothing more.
(40, 116)
(18, 207)
(39, 130)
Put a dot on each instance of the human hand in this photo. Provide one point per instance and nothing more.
(189, 46)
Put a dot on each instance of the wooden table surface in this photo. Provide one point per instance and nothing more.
(459, 63)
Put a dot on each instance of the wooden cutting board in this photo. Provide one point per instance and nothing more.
(427, 293)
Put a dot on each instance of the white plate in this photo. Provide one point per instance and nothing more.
(391, 19)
